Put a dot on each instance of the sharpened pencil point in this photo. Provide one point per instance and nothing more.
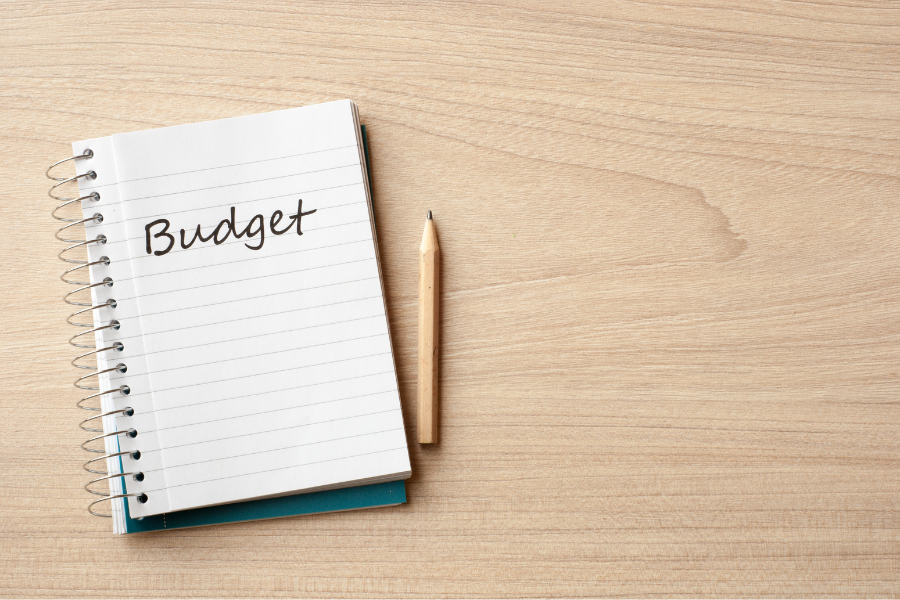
(428, 216)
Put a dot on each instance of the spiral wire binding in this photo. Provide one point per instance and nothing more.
(84, 339)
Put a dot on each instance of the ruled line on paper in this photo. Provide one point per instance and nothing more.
(188, 289)
(253, 316)
(220, 167)
(279, 449)
(297, 426)
(120, 376)
(288, 389)
(263, 412)
(89, 225)
(216, 187)
(133, 395)
(260, 335)
(199, 482)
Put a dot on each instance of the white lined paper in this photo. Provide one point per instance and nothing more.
(266, 371)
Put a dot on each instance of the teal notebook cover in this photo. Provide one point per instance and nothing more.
(364, 496)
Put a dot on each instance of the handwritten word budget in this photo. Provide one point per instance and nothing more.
(255, 227)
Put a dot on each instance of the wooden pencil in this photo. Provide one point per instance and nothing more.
(429, 326)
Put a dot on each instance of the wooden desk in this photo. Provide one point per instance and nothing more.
(671, 308)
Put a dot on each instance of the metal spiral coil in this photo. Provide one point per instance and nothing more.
(85, 339)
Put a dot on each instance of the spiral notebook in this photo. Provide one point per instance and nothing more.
(244, 366)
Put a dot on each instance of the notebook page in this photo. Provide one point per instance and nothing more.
(266, 346)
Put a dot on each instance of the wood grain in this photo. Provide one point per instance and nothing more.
(671, 291)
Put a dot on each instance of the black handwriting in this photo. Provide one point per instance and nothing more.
(225, 229)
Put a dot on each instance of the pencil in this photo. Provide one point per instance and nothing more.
(429, 325)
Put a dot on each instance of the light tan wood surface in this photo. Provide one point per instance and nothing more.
(670, 291)
(429, 330)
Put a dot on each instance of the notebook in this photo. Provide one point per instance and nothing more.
(244, 366)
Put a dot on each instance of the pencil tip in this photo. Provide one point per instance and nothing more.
(428, 216)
